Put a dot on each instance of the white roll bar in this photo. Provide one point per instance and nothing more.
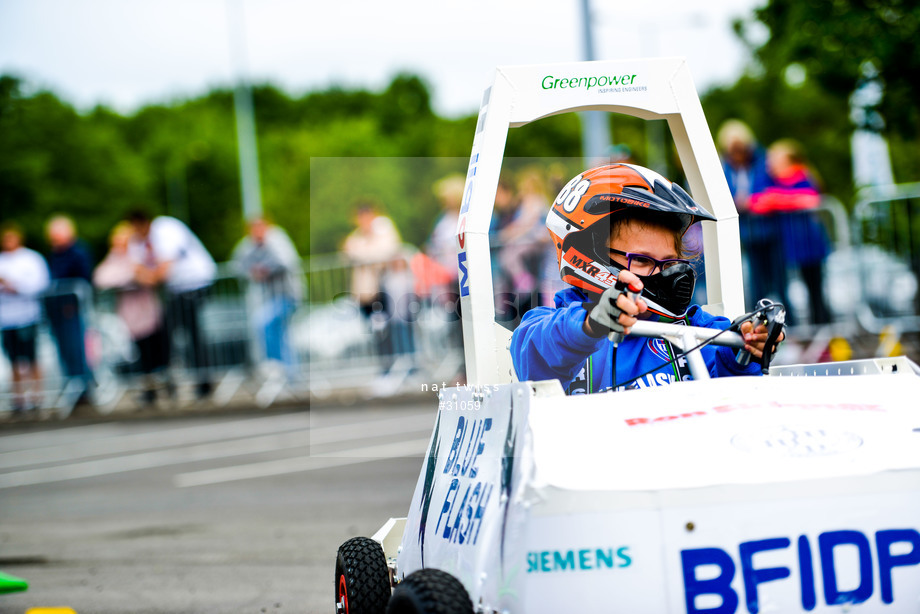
(686, 339)
(660, 88)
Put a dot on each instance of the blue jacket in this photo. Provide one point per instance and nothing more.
(758, 177)
(550, 344)
(71, 262)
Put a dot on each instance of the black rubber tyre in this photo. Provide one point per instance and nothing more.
(430, 591)
(362, 580)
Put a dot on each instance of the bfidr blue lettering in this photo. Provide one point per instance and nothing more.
(887, 561)
(714, 582)
(720, 585)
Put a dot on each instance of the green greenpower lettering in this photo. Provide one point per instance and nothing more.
(586, 559)
(551, 82)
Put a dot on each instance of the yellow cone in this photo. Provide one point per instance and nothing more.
(839, 349)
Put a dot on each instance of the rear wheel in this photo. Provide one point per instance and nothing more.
(362, 580)
(430, 591)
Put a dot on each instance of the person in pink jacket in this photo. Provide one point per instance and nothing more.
(792, 197)
(137, 305)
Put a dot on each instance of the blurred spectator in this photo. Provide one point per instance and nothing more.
(792, 196)
(442, 247)
(23, 277)
(540, 256)
(506, 309)
(743, 161)
(442, 243)
(372, 247)
(745, 166)
(523, 238)
(398, 284)
(524, 246)
(267, 258)
(67, 300)
(138, 306)
(177, 259)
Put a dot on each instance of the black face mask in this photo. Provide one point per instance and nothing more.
(672, 288)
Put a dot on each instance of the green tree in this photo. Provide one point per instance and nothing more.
(319, 154)
(808, 67)
(807, 112)
(53, 160)
(833, 38)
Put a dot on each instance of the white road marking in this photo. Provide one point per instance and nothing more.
(58, 436)
(342, 458)
(300, 436)
(160, 458)
(135, 442)
(359, 430)
(111, 444)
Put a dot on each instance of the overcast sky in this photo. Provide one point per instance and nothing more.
(127, 53)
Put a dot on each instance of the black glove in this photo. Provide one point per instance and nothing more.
(604, 316)
(773, 316)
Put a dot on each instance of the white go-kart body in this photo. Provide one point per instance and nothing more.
(794, 492)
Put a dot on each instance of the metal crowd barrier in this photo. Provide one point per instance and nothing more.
(886, 223)
(407, 340)
(833, 217)
(68, 354)
(816, 338)
(205, 339)
(870, 277)
(400, 335)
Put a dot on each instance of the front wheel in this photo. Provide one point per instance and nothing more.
(430, 591)
(362, 580)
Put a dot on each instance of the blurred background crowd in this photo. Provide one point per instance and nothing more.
(136, 272)
(156, 322)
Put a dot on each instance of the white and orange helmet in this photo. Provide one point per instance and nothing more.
(579, 221)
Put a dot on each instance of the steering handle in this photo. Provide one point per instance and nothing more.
(698, 334)
(773, 316)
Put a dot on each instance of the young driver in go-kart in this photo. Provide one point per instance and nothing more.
(625, 223)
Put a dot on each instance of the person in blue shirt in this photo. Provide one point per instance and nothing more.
(744, 163)
(67, 302)
(621, 222)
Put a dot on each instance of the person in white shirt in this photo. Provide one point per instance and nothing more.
(268, 260)
(370, 247)
(23, 277)
(177, 259)
(373, 248)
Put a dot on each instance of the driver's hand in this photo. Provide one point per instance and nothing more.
(756, 338)
(615, 312)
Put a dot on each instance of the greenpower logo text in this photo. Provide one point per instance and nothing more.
(551, 82)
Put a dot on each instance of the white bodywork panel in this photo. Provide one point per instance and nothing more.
(783, 492)
(650, 89)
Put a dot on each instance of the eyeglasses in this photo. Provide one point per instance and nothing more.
(646, 265)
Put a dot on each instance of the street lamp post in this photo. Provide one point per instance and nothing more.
(247, 147)
(595, 126)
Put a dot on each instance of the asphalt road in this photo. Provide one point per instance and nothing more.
(215, 514)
